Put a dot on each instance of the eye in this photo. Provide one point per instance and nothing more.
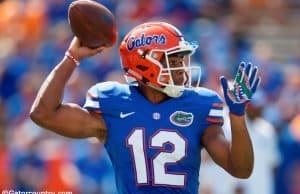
(176, 63)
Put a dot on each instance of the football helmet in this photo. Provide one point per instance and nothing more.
(145, 47)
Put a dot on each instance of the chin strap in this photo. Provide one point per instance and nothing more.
(171, 91)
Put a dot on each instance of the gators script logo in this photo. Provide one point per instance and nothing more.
(181, 118)
(134, 42)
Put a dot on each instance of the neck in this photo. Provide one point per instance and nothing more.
(151, 94)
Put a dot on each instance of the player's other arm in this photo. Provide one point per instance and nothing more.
(66, 119)
(236, 158)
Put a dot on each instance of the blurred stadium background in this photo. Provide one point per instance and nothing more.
(34, 35)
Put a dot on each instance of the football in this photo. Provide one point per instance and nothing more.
(92, 23)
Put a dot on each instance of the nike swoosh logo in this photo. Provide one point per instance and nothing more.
(124, 115)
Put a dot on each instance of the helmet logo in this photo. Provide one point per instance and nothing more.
(143, 40)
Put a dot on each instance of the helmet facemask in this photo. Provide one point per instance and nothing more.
(174, 76)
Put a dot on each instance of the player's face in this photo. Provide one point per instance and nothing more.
(179, 76)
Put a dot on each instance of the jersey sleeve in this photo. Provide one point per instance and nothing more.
(92, 100)
(215, 112)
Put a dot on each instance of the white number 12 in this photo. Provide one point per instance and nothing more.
(136, 142)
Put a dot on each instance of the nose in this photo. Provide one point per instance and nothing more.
(179, 77)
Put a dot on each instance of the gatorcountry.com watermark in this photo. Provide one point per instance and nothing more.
(11, 191)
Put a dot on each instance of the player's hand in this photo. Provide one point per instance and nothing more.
(82, 52)
(244, 86)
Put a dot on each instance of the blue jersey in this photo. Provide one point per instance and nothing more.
(154, 148)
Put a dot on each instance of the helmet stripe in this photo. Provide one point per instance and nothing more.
(176, 30)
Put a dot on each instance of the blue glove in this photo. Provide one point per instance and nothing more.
(244, 86)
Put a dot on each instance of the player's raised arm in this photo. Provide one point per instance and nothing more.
(236, 158)
(66, 119)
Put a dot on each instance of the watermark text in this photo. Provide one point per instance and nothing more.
(11, 191)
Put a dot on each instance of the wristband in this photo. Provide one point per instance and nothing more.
(69, 55)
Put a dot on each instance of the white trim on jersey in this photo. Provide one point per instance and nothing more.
(92, 104)
(215, 113)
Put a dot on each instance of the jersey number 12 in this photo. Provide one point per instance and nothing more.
(137, 143)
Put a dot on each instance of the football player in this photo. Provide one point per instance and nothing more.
(154, 127)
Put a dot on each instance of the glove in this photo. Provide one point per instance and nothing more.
(244, 86)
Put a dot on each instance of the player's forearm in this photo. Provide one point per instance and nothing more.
(241, 158)
(50, 95)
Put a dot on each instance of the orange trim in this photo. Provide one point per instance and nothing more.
(213, 120)
(97, 111)
(90, 95)
(219, 105)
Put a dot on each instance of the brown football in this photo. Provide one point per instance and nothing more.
(92, 23)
